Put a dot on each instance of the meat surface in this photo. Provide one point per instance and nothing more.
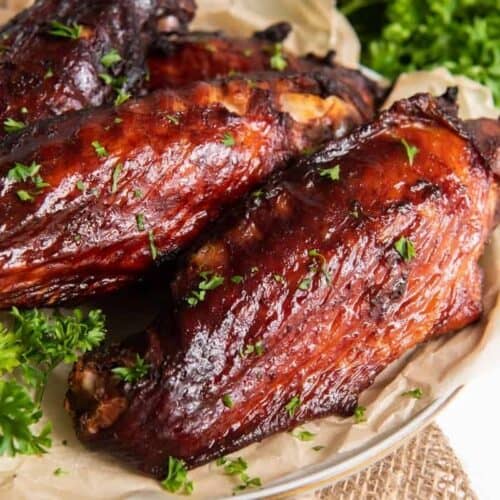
(90, 200)
(296, 300)
(52, 54)
(177, 59)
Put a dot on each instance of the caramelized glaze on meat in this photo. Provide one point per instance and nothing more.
(321, 287)
(42, 75)
(130, 182)
(178, 59)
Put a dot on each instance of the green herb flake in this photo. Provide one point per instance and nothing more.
(118, 120)
(293, 405)
(23, 195)
(237, 280)
(318, 448)
(110, 58)
(100, 149)
(257, 349)
(411, 151)
(209, 281)
(278, 278)
(48, 74)
(152, 246)
(116, 177)
(305, 284)
(80, 185)
(134, 373)
(138, 194)
(414, 393)
(304, 435)
(359, 414)
(22, 173)
(139, 218)
(177, 477)
(60, 472)
(238, 467)
(228, 140)
(278, 61)
(11, 126)
(227, 400)
(122, 96)
(332, 173)
(173, 119)
(73, 31)
(405, 249)
(107, 79)
(24, 110)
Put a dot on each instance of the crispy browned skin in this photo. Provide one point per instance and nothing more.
(178, 59)
(42, 75)
(329, 321)
(174, 164)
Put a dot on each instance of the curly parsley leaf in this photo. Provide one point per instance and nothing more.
(177, 478)
(134, 373)
(11, 126)
(72, 31)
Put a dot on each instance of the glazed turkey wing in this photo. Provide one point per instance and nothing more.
(47, 69)
(303, 295)
(90, 200)
(177, 59)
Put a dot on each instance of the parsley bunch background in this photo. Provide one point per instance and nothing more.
(29, 352)
(407, 35)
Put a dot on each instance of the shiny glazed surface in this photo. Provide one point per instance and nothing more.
(321, 287)
(42, 75)
(173, 159)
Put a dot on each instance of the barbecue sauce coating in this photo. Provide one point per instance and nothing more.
(323, 290)
(42, 75)
(133, 183)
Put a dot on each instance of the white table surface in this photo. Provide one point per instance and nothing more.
(477, 445)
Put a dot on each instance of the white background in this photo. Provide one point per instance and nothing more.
(477, 444)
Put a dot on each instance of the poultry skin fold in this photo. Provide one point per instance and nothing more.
(295, 301)
(89, 200)
(177, 59)
(63, 55)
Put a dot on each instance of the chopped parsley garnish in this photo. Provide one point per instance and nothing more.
(118, 120)
(177, 478)
(60, 472)
(318, 448)
(405, 249)
(359, 414)
(23, 195)
(227, 400)
(138, 194)
(277, 61)
(30, 350)
(48, 74)
(238, 468)
(304, 435)
(73, 31)
(22, 173)
(110, 58)
(237, 279)
(414, 393)
(305, 284)
(210, 281)
(139, 218)
(133, 373)
(258, 194)
(24, 110)
(81, 185)
(411, 151)
(249, 349)
(315, 254)
(228, 140)
(152, 246)
(122, 96)
(11, 126)
(107, 79)
(293, 405)
(278, 278)
(99, 149)
(332, 173)
(116, 177)
(173, 119)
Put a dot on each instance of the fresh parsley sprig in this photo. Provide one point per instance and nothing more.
(134, 373)
(29, 351)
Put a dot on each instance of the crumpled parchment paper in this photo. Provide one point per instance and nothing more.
(436, 367)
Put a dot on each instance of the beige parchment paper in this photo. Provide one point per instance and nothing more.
(436, 367)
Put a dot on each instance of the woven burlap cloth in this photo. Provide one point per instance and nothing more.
(424, 468)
